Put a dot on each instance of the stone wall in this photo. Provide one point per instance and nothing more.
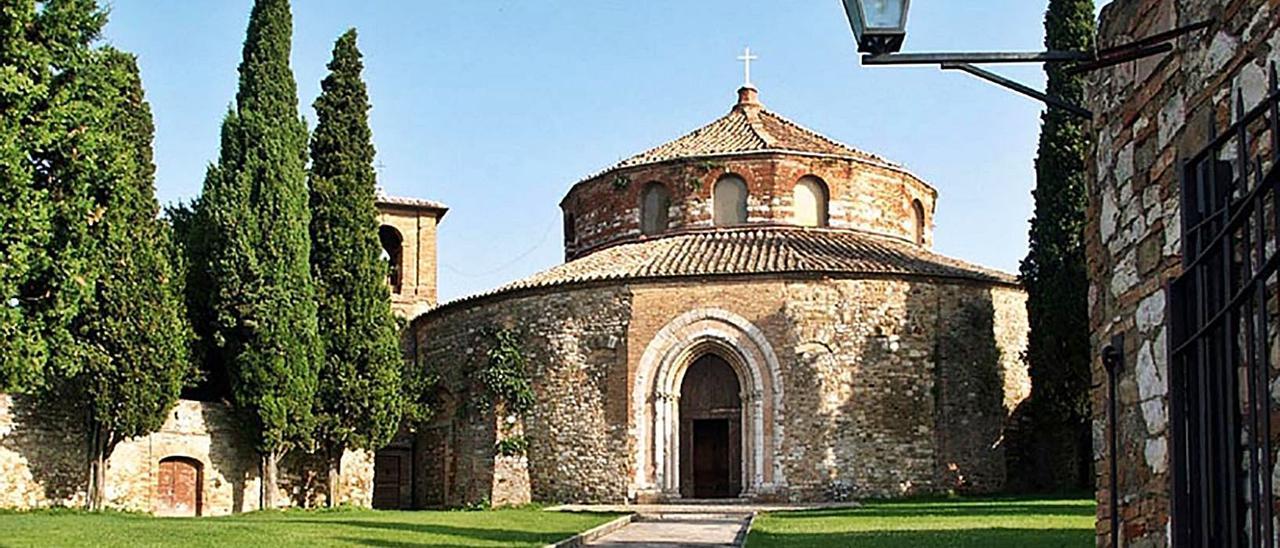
(42, 462)
(1148, 115)
(892, 387)
(575, 344)
(862, 195)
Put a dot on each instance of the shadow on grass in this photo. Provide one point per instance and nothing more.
(983, 538)
(901, 510)
(459, 534)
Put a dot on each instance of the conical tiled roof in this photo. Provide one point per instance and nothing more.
(749, 128)
(756, 250)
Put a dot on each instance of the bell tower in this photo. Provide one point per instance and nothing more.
(407, 232)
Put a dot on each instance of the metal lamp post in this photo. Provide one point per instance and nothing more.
(880, 27)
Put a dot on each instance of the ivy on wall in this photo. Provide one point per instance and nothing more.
(505, 375)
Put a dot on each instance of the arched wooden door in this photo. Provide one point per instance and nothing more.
(179, 487)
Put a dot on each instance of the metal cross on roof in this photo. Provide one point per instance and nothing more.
(746, 59)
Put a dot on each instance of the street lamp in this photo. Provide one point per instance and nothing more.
(881, 25)
(878, 25)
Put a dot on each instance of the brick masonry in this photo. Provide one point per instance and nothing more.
(863, 195)
(42, 462)
(1148, 115)
(416, 225)
(889, 386)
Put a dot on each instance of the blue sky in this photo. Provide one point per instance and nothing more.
(497, 107)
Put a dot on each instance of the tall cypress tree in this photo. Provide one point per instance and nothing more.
(358, 402)
(133, 329)
(1054, 271)
(262, 303)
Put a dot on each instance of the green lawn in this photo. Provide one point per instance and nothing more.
(985, 523)
(514, 527)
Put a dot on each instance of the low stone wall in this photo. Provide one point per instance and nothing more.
(43, 462)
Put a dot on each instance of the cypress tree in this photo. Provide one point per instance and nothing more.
(358, 403)
(1054, 271)
(133, 329)
(262, 302)
(190, 227)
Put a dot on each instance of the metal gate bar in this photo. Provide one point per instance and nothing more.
(1221, 458)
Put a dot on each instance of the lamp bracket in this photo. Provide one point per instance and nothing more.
(1081, 62)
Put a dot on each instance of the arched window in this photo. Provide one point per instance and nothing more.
(392, 254)
(729, 201)
(655, 207)
(809, 202)
(917, 220)
(570, 229)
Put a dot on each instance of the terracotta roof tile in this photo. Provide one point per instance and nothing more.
(756, 250)
(748, 129)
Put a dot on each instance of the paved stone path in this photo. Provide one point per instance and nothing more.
(678, 530)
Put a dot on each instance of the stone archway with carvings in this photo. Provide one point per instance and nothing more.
(656, 400)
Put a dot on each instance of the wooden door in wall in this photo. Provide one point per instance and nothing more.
(386, 480)
(178, 489)
(711, 459)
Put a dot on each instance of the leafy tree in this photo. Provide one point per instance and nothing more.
(90, 318)
(262, 301)
(1054, 271)
(133, 330)
(190, 226)
(52, 152)
(358, 402)
(25, 223)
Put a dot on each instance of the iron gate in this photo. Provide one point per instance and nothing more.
(1222, 323)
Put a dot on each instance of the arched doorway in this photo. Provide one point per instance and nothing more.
(179, 489)
(710, 430)
(657, 394)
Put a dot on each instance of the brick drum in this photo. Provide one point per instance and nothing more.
(1148, 115)
(867, 365)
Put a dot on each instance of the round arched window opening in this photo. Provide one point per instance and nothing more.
(809, 202)
(570, 229)
(729, 201)
(918, 220)
(655, 209)
(393, 256)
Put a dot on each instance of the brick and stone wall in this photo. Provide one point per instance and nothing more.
(890, 386)
(862, 195)
(575, 343)
(42, 462)
(1148, 115)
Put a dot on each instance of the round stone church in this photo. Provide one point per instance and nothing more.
(750, 311)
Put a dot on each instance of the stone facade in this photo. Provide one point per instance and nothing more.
(1148, 115)
(884, 387)
(42, 462)
(790, 336)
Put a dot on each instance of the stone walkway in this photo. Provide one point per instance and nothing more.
(687, 524)
(678, 530)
